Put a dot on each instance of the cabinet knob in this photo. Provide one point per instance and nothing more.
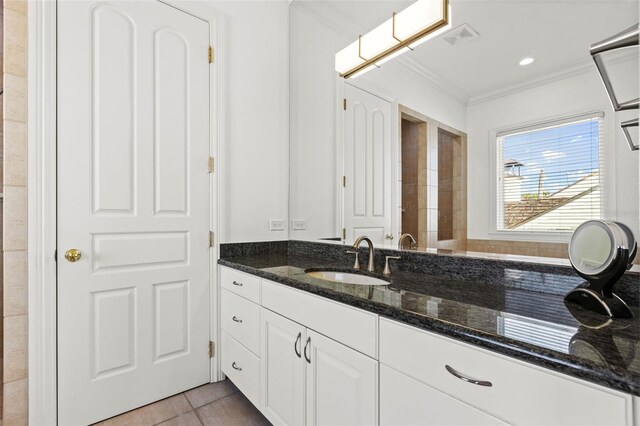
(235, 367)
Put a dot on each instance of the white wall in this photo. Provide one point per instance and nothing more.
(314, 172)
(255, 159)
(577, 94)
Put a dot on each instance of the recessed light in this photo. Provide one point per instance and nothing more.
(526, 61)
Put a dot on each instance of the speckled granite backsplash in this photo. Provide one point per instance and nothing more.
(540, 278)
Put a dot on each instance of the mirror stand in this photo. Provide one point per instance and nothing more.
(597, 293)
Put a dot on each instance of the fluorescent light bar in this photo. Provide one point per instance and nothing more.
(394, 36)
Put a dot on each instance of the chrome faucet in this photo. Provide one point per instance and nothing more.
(403, 237)
(356, 245)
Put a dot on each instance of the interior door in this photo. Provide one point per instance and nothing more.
(282, 369)
(367, 166)
(133, 199)
(342, 384)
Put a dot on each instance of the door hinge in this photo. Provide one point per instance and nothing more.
(211, 238)
(344, 181)
(210, 54)
(344, 233)
(344, 104)
(211, 349)
(211, 164)
(55, 255)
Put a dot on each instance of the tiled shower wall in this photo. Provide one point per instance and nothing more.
(15, 213)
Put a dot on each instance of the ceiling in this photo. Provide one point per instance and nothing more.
(557, 33)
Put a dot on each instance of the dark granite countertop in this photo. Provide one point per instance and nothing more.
(531, 326)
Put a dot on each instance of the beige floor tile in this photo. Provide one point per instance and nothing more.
(186, 419)
(153, 413)
(230, 411)
(206, 394)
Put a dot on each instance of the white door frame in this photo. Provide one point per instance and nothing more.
(42, 188)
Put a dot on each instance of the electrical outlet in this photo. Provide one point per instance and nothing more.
(276, 225)
(299, 224)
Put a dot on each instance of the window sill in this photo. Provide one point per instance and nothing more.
(538, 237)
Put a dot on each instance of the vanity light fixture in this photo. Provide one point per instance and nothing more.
(526, 61)
(405, 30)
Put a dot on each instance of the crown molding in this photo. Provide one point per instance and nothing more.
(499, 92)
(435, 80)
(574, 70)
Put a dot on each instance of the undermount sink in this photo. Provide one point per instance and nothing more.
(346, 278)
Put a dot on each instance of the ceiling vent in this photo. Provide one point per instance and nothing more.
(460, 35)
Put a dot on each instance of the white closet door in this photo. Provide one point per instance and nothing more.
(133, 198)
(367, 166)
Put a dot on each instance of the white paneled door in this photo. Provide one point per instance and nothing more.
(367, 166)
(133, 199)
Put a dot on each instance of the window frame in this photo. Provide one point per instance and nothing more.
(496, 192)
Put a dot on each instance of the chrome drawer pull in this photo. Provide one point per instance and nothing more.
(306, 345)
(236, 319)
(467, 379)
(295, 345)
(235, 367)
(237, 283)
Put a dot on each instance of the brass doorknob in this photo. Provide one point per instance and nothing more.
(73, 255)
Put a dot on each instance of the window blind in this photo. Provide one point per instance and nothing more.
(549, 175)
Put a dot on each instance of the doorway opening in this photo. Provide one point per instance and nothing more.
(433, 201)
(414, 134)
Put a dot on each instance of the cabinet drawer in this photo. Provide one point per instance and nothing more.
(241, 319)
(245, 285)
(242, 367)
(405, 401)
(520, 393)
(350, 326)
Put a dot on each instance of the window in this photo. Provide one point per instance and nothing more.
(549, 175)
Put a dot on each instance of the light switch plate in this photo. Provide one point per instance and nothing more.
(276, 225)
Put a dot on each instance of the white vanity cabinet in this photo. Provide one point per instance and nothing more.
(308, 378)
(306, 360)
(505, 390)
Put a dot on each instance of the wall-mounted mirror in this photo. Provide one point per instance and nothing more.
(495, 136)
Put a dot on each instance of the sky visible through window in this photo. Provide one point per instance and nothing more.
(564, 154)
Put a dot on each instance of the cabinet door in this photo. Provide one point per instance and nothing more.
(282, 369)
(405, 401)
(342, 384)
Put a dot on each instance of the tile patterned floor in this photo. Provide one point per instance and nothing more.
(213, 404)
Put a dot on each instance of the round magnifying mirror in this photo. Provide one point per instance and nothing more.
(632, 244)
(593, 247)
